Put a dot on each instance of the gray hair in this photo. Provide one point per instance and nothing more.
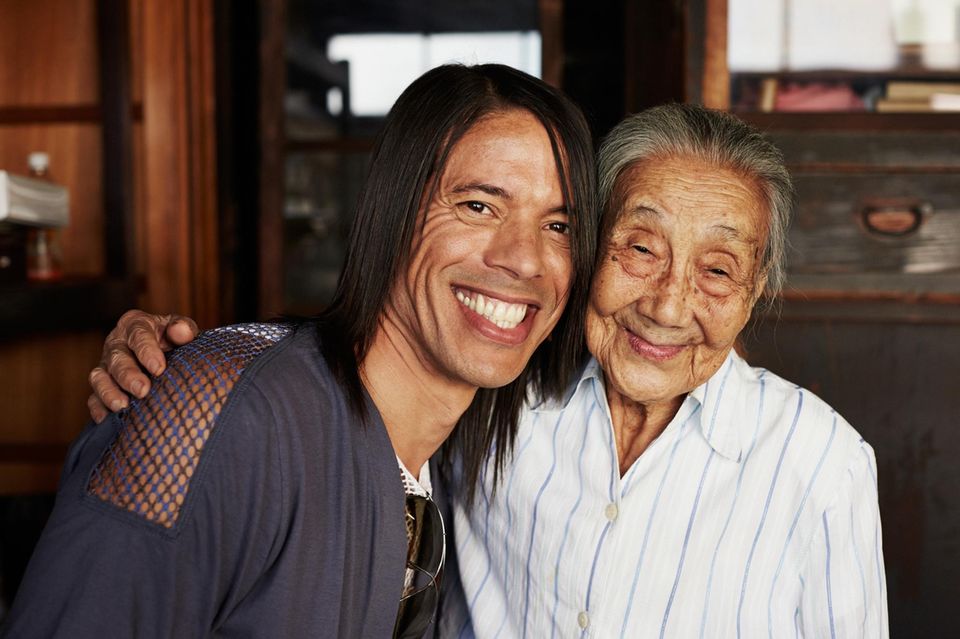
(680, 130)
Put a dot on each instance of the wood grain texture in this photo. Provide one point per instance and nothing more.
(49, 52)
(203, 162)
(43, 379)
(273, 86)
(551, 34)
(136, 50)
(43, 386)
(179, 200)
(716, 75)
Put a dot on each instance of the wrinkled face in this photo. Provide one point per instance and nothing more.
(678, 279)
(489, 276)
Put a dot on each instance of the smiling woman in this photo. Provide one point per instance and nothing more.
(674, 490)
(678, 280)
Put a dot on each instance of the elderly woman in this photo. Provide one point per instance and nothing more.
(673, 490)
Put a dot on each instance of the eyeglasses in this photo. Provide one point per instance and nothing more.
(425, 555)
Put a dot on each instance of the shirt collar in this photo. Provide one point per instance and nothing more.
(591, 371)
(719, 398)
(721, 407)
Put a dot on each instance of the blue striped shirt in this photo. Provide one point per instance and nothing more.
(754, 514)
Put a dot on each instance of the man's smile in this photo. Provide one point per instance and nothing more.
(501, 313)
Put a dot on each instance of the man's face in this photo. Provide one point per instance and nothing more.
(678, 279)
(488, 277)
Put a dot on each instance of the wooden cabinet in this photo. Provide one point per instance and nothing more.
(120, 94)
(856, 170)
(870, 317)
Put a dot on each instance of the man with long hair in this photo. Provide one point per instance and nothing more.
(262, 486)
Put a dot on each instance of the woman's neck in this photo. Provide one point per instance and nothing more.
(636, 425)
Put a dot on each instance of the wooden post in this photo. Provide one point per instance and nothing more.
(273, 86)
(179, 146)
(716, 75)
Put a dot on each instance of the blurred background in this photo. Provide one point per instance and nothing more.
(203, 157)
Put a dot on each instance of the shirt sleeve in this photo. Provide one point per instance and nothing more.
(171, 543)
(844, 585)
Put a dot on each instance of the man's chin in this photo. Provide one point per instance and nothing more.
(493, 377)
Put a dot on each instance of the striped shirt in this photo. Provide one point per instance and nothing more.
(754, 514)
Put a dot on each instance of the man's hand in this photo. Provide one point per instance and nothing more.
(139, 340)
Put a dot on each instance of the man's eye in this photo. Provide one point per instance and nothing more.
(476, 207)
(559, 227)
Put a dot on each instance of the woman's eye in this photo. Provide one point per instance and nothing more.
(718, 271)
(559, 227)
(641, 249)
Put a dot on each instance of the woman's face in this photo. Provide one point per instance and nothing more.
(678, 279)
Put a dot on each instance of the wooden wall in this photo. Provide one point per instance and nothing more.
(50, 100)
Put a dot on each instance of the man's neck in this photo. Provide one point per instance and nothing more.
(419, 406)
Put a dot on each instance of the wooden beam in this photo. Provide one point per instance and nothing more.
(551, 41)
(273, 87)
(180, 214)
(113, 31)
(60, 114)
(716, 74)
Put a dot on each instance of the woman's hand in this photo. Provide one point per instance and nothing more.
(137, 343)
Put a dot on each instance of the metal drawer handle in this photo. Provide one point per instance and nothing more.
(894, 220)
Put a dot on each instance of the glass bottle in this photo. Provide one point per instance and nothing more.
(44, 256)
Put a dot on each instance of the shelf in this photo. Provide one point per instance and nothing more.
(69, 305)
(917, 73)
(858, 121)
(872, 297)
(60, 114)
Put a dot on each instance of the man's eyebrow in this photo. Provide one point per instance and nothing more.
(489, 189)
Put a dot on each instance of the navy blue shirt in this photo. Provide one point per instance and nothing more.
(242, 497)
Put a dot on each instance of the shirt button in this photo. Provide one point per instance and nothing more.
(583, 620)
(611, 511)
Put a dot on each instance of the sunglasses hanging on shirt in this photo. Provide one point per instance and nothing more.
(425, 555)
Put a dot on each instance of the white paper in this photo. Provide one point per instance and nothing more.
(841, 34)
(755, 35)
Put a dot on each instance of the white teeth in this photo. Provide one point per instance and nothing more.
(499, 313)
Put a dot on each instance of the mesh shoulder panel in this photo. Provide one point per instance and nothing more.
(147, 468)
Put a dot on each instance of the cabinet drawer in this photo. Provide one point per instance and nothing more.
(833, 151)
(876, 223)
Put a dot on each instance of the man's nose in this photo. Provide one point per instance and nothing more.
(517, 249)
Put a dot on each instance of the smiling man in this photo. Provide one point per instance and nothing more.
(260, 488)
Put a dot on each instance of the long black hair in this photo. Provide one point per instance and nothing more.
(425, 123)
